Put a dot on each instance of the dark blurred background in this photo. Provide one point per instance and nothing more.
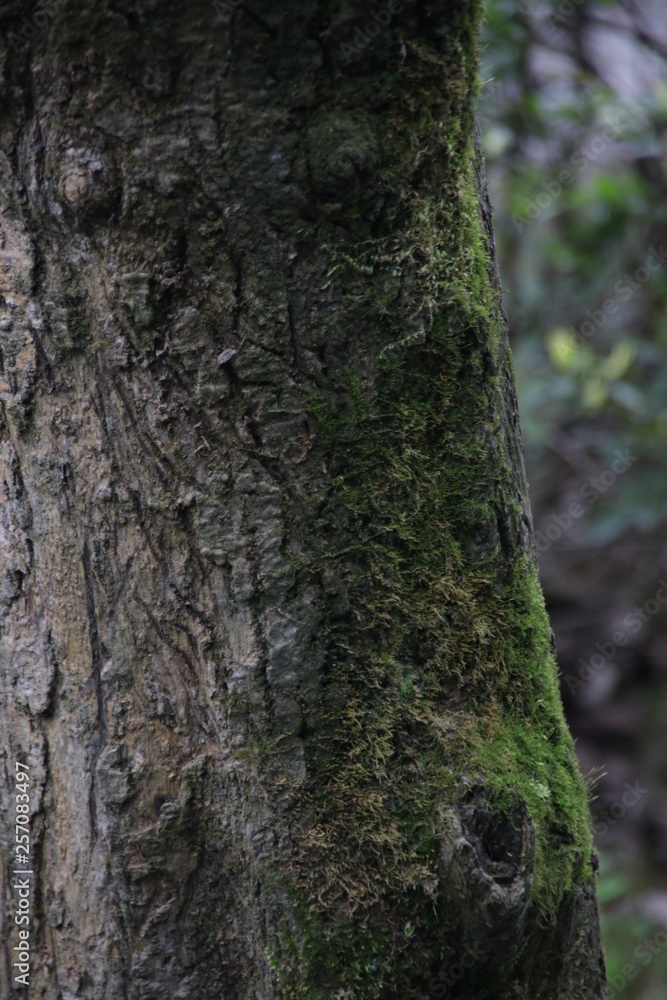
(574, 120)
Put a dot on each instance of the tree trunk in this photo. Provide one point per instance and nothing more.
(273, 646)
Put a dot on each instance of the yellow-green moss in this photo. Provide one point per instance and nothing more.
(523, 750)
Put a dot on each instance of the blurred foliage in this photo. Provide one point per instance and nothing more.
(574, 128)
(635, 943)
(569, 244)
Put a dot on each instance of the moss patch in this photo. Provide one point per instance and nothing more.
(440, 677)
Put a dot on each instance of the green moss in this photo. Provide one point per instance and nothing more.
(523, 750)
(442, 677)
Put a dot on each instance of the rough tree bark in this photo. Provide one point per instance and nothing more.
(272, 643)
